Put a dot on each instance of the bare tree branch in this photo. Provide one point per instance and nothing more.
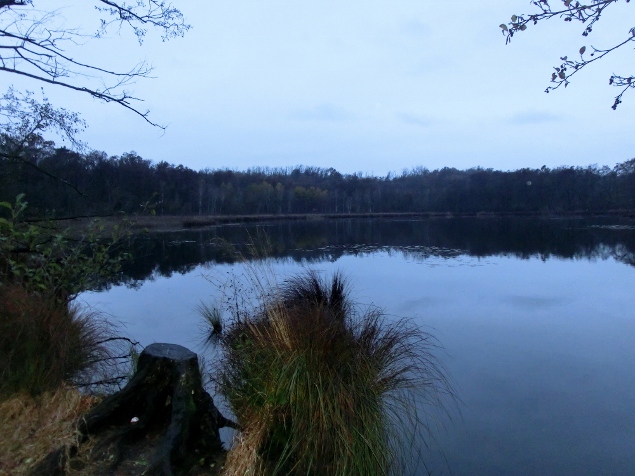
(32, 44)
(146, 12)
(122, 100)
(24, 120)
(588, 15)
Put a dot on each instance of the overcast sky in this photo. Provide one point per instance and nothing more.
(371, 86)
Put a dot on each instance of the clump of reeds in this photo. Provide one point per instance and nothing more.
(320, 388)
(45, 342)
(212, 322)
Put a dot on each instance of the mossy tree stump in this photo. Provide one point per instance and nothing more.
(165, 397)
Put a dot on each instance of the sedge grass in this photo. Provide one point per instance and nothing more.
(45, 342)
(212, 322)
(320, 388)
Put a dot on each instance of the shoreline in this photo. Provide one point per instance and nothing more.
(166, 223)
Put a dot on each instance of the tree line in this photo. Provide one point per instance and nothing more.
(94, 183)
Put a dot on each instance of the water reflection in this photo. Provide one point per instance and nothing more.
(329, 240)
(540, 349)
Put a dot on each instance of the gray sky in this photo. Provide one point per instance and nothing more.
(371, 86)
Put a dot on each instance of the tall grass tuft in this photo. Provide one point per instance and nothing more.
(320, 388)
(45, 342)
(212, 322)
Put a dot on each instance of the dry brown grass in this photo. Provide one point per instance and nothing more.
(244, 458)
(31, 428)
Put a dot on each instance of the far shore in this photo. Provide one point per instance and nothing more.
(166, 223)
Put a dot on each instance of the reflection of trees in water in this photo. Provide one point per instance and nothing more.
(328, 240)
(624, 254)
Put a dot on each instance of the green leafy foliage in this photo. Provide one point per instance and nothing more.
(53, 262)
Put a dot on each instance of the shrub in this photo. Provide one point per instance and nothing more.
(319, 388)
(46, 260)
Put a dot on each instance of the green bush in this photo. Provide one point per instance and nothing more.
(48, 261)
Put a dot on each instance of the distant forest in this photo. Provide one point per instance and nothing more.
(130, 184)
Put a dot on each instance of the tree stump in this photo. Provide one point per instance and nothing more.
(166, 397)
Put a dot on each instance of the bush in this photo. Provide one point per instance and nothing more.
(322, 389)
(46, 260)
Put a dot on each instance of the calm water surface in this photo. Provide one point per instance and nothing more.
(536, 319)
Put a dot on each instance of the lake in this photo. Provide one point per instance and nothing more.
(535, 318)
